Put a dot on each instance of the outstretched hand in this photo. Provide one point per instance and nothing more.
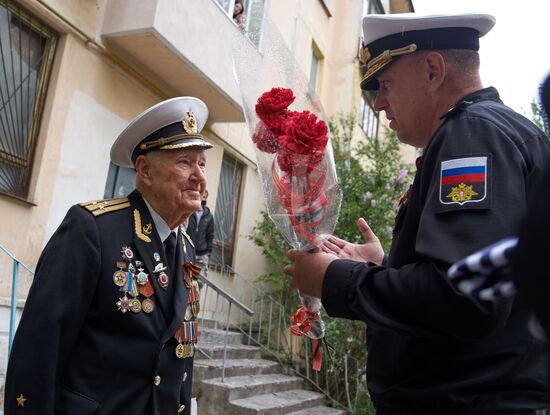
(371, 250)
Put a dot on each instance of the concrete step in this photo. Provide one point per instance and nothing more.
(212, 324)
(207, 369)
(218, 336)
(319, 410)
(279, 403)
(238, 387)
(215, 351)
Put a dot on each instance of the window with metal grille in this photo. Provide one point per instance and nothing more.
(227, 204)
(27, 48)
(374, 7)
(368, 118)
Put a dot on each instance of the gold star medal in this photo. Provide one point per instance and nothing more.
(21, 401)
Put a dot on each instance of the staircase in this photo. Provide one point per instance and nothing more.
(251, 385)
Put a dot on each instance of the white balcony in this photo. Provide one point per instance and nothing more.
(183, 46)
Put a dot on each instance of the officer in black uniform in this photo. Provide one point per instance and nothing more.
(531, 273)
(109, 326)
(431, 349)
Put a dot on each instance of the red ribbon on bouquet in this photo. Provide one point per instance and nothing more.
(301, 324)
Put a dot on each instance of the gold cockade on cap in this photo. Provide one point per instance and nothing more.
(364, 54)
(190, 123)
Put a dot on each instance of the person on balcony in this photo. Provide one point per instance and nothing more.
(109, 325)
(431, 350)
(239, 16)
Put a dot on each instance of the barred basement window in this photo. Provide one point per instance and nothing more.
(26, 54)
(368, 117)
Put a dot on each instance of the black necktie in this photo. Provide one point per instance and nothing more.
(170, 250)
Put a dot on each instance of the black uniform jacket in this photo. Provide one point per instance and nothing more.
(202, 233)
(74, 352)
(531, 271)
(431, 349)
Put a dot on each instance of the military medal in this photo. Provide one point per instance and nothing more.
(127, 253)
(123, 304)
(142, 277)
(188, 350)
(188, 313)
(147, 289)
(135, 305)
(148, 306)
(132, 286)
(180, 348)
(156, 256)
(162, 278)
(120, 278)
(180, 352)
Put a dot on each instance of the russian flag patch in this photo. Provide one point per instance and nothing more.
(464, 182)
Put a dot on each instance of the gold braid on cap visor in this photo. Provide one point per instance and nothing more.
(375, 64)
(163, 143)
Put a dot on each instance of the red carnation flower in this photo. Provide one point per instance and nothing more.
(277, 123)
(304, 134)
(274, 102)
(264, 139)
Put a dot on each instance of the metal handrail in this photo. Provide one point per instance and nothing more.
(270, 325)
(225, 294)
(13, 299)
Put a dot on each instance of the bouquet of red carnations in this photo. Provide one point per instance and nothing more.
(293, 154)
(298, 173)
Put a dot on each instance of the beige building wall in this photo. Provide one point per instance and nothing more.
(89, 101)
(91, 98)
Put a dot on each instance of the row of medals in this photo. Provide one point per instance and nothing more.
(134, 283)
(188, 332)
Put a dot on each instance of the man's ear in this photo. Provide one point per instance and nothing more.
(143, 168)
(435, 69)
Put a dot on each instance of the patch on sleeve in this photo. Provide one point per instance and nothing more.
(465, 183)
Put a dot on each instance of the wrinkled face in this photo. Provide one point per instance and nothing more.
(403, 96)
(177, 179)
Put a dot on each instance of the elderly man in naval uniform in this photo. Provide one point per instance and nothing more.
(109, 326)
